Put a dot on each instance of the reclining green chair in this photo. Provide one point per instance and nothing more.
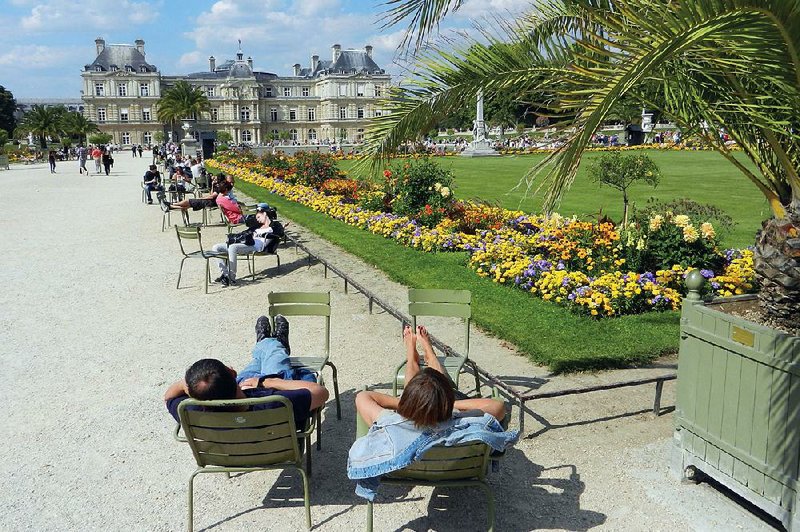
(309, 304)
(443, 303)
(242, 441)
(459, 466)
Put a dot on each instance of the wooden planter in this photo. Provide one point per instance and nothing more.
(737, 417)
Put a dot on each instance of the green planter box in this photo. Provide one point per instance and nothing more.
(737, 416)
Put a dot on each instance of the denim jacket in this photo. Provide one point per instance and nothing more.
(393, 442)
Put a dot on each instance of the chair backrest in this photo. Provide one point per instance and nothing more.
(255, 439)
(445, 303)
(303, 304)
(188, 233)
(458, 462)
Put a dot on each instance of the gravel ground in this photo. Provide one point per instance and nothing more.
(92, 331)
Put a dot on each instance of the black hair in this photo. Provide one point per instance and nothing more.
(209, 379)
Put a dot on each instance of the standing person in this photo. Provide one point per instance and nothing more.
(140, 151)
(108, 161)
(97, 156)
(82, 156)
(51, 158)
(133, 150)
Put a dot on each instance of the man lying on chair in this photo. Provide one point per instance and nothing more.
(268, 373)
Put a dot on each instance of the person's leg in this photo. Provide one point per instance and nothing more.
(412, 356)
(430, 357)
(233, 251)
(269, 358)
(223, 265)
(147, 190)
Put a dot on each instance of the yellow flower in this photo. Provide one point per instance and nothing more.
(707, 230)
(681, 220)
(655, 222)
(437, 187)
(445, 192)
(690, 234)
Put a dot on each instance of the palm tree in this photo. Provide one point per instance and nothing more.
(180, 101)
(43, 122)
(705, 64)
(76, 125)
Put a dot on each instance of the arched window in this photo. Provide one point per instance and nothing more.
(312, 134)
(293, 134)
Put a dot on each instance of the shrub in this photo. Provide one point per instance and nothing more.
(620, 171)
(416, 184)
(340, 187)
(313, 169)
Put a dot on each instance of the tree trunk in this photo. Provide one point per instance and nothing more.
(777, 267)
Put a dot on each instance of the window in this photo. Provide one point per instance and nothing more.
(146, 116)
(293, 134)
(268, 92)
(244, 113)
(99, 89)
(275, 134)
(360, 112)
(123, 115)
(342, 89)
(247, 136)
(343, 134)
(142, 69)
(342, 113)
(273, 114)
(378, 91)
(128, 68)
(210, 91)
(126, 138)
(122, 89)
(147, 138)
(312, 114)
(312, 134)
(214, 114)
(378, 112)
(101, 114)
(144, 89)
(305, 91)
(359, 135)
(114, 68)
(292, 114)
(98, 69)
(360, 88)
(287, 91)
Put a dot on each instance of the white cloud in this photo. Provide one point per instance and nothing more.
(39, 57)
(49, 15)
(191, 59)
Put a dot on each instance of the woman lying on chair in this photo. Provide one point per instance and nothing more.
(263, 234)
(427, 414)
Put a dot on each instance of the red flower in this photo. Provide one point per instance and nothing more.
(428, 210)
(387, 174)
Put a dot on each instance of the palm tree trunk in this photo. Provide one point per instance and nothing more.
(777, 267)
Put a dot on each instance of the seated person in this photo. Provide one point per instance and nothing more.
(427, 414)
(228, 206)
(264, 235)
(152, 181)
(268, 373)
(206, 202)
(183, 181)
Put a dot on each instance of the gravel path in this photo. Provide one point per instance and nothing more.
(92, 331)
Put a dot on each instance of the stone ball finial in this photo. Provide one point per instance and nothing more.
(694, 282)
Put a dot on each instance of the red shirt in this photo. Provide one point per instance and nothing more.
(229, 208)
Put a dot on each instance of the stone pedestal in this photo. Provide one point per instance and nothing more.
(480, 148)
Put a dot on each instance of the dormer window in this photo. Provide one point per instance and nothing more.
(128, 68)
(143, 69)
(114, 68)
(98, 68)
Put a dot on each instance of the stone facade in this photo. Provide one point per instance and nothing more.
(328, 101)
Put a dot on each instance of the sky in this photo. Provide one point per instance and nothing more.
(44, 44)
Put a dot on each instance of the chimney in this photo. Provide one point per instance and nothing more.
(368, 49)
(212, 63)
(336, 50)
(250, 62)
(140, 46)
(314, 63)
(101, 45)
(297, 69)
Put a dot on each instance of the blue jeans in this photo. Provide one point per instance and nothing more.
(271, 358)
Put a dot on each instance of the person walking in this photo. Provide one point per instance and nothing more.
(108, 161)
(51, 158)
(82, 156)
(140, 151)
(97, 155)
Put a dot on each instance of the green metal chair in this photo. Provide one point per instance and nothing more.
(443, 303)
(193, 233)
(459, 466)
(243, 441)
(309, 304)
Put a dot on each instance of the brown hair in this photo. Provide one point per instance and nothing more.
(427, 399)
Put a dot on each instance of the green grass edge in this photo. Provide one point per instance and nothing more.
(546, 333)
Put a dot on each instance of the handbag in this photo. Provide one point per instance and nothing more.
(245, 237)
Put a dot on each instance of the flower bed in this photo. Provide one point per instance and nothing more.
(574, 263)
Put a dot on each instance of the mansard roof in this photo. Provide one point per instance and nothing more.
(348, 62)
(121, 56)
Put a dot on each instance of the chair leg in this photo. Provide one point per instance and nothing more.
(191, 501)
(369, 516)
(490, 501)
(208, 274)
(279, 261)
(179, 272)
(477, 378)
(306, 498)
(336, 389)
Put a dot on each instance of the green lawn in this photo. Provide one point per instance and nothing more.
(704, 176)
(547, 333)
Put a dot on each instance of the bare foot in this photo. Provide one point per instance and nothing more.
(408, 336)
(425, 340)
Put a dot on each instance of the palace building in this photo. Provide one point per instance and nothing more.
(330, 100)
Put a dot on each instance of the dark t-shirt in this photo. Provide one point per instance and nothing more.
(301, 403)
(149, 175)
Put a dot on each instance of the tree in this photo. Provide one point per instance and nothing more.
(159, 136)
(100, 138)
(224, 137)
(8, 105)
(180, 101)
(621, 171)
(77, 126)
(3, 140)
(43, 122)
(731, 63)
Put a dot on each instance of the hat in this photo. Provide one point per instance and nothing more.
(263, 207)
